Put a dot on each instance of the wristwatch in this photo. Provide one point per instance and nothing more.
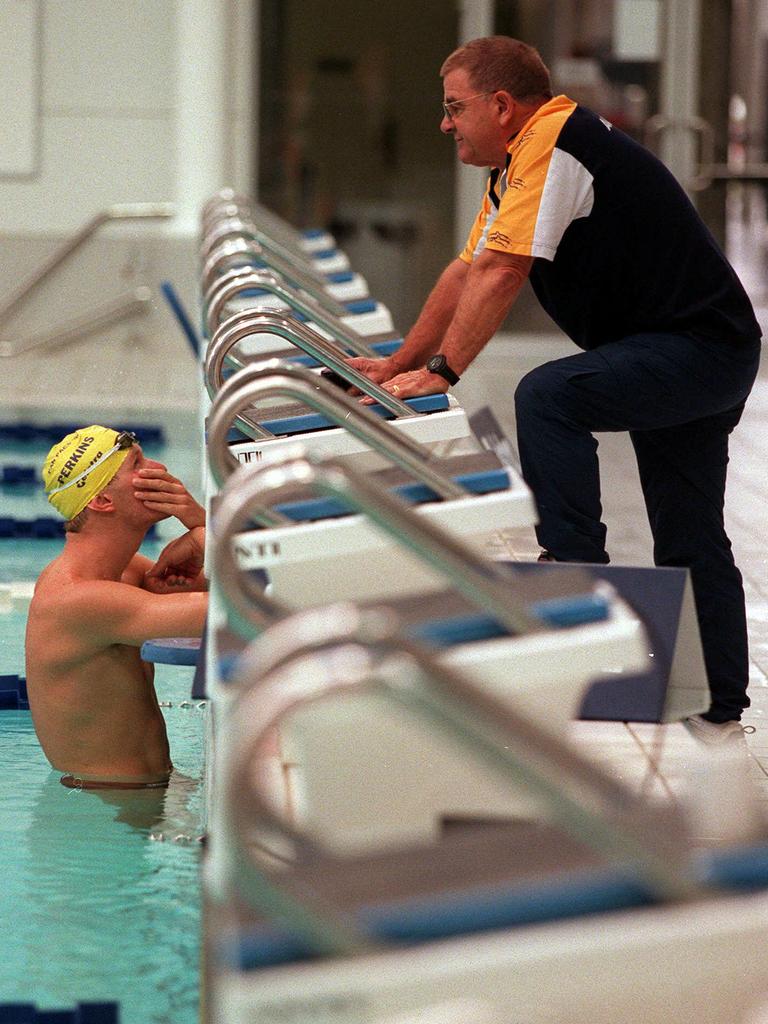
(439, 364)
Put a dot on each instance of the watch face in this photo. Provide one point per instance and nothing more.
(439, 364)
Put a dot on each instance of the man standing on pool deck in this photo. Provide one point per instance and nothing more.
(92, 697)
(619, 258)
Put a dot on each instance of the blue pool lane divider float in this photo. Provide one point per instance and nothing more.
(49, 433)
(18, 476)
(41, 528)
(83, 1013)
(13, 697)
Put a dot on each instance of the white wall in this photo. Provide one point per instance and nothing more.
(127, 111)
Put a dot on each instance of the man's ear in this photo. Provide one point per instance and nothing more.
(505, 105)
(101, 503)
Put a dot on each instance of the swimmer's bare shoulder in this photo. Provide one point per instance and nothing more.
(72, 618)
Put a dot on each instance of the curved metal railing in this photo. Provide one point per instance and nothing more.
(369, 654)
(256, 217)
(248, 490)
(242, 325)
(275, 379)
(236, 227)
(238, 280)
(231, 254)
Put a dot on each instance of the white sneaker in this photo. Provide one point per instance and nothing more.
(715, 733)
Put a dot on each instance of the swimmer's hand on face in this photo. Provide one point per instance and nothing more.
(180, 565)
(162, 492)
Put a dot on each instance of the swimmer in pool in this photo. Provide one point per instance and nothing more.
(91, 695)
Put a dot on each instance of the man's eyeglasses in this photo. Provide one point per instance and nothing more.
(455, 108)
(125, 439)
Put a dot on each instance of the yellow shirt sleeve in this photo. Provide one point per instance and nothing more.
(468, 253)
(541, 195)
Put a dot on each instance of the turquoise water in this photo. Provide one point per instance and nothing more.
(100, 891)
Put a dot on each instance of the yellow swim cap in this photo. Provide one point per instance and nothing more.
(81, 465)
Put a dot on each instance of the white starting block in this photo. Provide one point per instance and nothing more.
(347, 287)
(314, 241)
(493, 920)
(374, 319)
(366, 775)
(412, 777)
(696, 963)
(431, 421)
(330, 262)
(434, 424)
(309, 562)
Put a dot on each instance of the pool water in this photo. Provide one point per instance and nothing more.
(100, 890)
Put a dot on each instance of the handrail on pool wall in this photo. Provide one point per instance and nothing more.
(118, 211)
(274, 378)
(369, 653)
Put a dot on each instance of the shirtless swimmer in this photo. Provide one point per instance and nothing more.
(92, 697)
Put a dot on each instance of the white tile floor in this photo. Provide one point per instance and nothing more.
(664, 762)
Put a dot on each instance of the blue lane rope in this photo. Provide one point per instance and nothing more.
(17, 476)
(13, 696)
(43, 528)
(23, 432)
(83, 1013)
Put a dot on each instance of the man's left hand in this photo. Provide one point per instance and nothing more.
(180, 565)
(412, 383)
(162, 492)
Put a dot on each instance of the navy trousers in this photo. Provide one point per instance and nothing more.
(679, 399)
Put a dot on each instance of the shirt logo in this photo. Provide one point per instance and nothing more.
(498, 238)
(516, 183)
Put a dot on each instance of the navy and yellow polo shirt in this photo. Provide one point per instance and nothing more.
(618, 247)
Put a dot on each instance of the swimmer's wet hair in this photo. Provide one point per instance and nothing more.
(76, 524)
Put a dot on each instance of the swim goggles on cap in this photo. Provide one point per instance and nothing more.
(125, 439)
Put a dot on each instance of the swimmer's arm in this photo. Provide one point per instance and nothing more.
(180, 565)
(105, 613)
(136, 570)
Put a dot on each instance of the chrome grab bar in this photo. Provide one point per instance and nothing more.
(236, 227)
(233, 249)
(304, 338)
(368, 654)
(119, 211)
(286, 237)
(655, 127)
(482, 582)
(237, 280)
(268, 223)
(272, 379)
